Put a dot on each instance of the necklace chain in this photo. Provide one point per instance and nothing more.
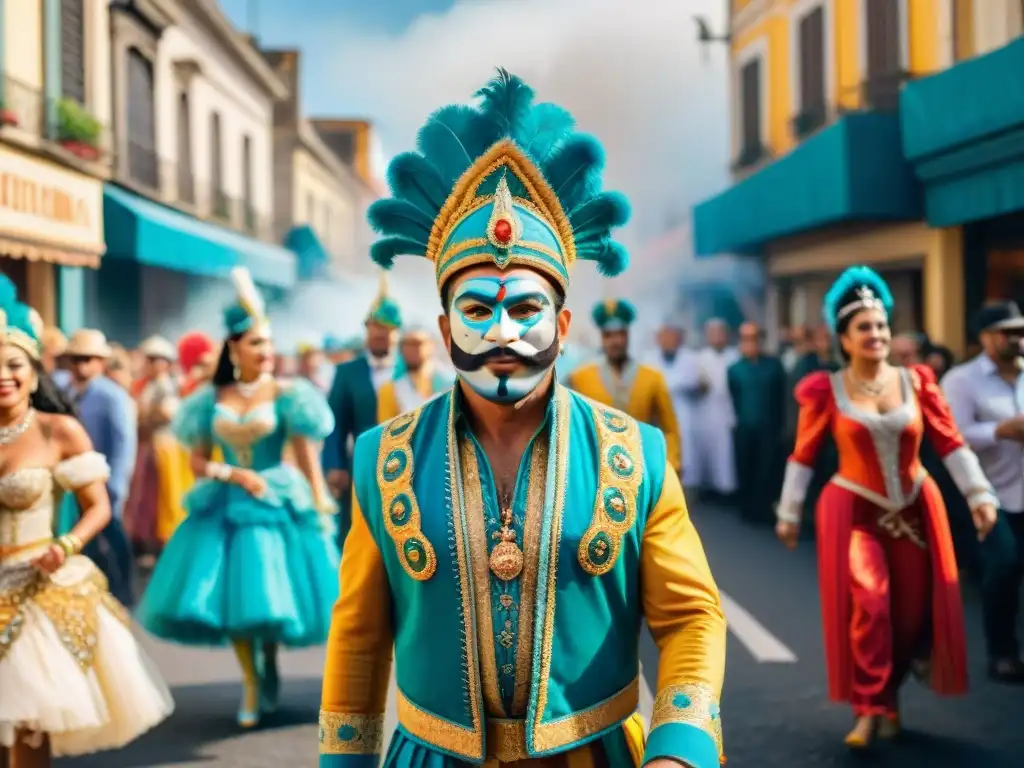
(874, 387)
(249, 388)
(9, 434)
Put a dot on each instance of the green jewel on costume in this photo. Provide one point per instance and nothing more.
(521, 663)
(384, 310)
(614, 314)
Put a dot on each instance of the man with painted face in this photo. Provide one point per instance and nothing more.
(509, 536)
(353, 398)
(621, 382)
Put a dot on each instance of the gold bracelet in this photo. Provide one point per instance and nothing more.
(70, 544)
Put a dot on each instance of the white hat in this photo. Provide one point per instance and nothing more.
(88, 342)
(159, 347)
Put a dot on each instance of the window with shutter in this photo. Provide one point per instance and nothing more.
(250, 213)
(220, 202)
(750, 100)
(884, 66)
(812, 70)
(142, 161)
(186, 187)
(72, 49)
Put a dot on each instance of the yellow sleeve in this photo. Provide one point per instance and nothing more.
(683, 610)
(665, 417)
(357, 669)
(387, 403)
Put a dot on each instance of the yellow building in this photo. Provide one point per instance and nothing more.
(823, 176)
(55, 150)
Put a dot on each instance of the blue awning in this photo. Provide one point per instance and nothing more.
(312, 256)
(963, 131)
(140, 230)
(852, 170)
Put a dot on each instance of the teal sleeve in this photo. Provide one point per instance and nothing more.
(305, 411)
(686, 743)
(193, 423)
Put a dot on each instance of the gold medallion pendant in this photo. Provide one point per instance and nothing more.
(506, 557)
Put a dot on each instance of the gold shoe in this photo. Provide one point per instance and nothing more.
(862, 734)
(889, 727)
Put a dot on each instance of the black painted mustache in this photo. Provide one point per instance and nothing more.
(464, 361)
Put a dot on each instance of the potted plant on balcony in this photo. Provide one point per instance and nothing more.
(77, 130)
(7, 116)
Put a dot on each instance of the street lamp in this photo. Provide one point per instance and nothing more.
(705, 36)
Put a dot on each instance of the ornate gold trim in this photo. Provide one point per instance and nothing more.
(399, 507)
(690, 704)
(572, 729)
(528, 582)
(442, 733)
(463, 197)
(478, 558)
(620, 473)
(344, 733)
(560, 460)
(464, 741)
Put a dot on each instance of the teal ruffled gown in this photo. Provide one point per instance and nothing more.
(238, 567)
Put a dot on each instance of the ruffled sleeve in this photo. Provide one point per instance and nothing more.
(193, 421)
(817, 404)
(304, 410)
(81, 470)
(940, 427)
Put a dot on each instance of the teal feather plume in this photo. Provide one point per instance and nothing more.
(400, 217)
(8, 291)
(849, 281)
(413, 178)
(456, 136)
(384, 251)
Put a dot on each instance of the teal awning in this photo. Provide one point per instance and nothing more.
(963, 131)
(312, 256)
(140, 230)
(852, 170)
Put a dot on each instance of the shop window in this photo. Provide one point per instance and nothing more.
(142, 160)
(812, 67)
(884, 52)
(186, 186)
(72, 49)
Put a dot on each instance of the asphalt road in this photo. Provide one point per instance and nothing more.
(774, 708)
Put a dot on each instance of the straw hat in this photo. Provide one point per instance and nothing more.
(160, 348)
(54, 341)
(88, 342)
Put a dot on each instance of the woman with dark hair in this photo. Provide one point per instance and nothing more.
(73, 678)
(254, 563)
(886, 569)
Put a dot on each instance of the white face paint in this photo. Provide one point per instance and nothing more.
(504, 335)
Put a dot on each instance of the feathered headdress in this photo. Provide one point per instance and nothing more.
(20, 325)
(249, 310)
(385, 310)
(613, 314)
(856, 289)
(508, 182)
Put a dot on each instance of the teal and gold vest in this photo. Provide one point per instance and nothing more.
(549, 659)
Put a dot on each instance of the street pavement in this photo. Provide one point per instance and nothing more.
(775, 711)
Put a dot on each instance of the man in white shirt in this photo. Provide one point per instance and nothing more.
(714, 468)
(681, 369)
(985, 396)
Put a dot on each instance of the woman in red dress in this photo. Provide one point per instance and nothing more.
(886, 569)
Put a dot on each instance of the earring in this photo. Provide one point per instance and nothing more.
(35, 386)
(235, 369)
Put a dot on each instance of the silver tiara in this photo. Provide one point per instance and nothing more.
(866, 299)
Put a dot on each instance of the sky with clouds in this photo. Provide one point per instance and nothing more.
(630, 70)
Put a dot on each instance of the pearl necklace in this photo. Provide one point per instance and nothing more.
(9, 434)
(249, 388)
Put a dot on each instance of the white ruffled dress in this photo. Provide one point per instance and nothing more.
(70, 667)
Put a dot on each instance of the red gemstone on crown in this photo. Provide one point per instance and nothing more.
(503, 231)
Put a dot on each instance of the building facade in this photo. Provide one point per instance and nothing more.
(55, 150)
(318, 197)
(821, 179)
(193, 189)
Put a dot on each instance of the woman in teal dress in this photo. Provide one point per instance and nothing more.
(255, 561)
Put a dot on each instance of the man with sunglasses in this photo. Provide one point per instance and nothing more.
(985, 396)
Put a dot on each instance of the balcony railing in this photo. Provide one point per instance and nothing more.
(29, 117)
(810, 118)
(143, 167)
(749, 156)
(234, 212)
(221, 208)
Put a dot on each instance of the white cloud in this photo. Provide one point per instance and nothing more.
(631, 71)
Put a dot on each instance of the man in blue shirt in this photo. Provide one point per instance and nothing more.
(108, 415)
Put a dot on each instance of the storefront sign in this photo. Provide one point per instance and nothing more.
(57, 213)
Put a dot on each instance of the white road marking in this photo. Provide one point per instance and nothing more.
(762, 644)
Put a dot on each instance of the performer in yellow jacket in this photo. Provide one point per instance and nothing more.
(416, 379)
(509, 536)
(621, 382)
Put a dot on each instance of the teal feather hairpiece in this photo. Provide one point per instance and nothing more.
(856, 287)
(613, 314)
(449, 204)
